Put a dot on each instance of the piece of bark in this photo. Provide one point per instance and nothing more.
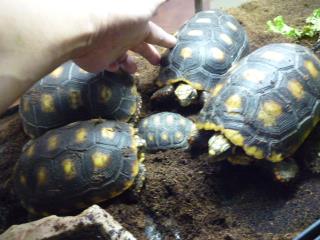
(92, 223)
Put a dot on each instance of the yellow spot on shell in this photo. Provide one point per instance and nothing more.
(226, 38)
(195, 85)
(23, 180)
(52, 142)
(142, 156)
(170, 119)
(156, 120)
(296, 89)
(127, 184)
(217, 54)
(69, 169)
(233, 103)
(104, 94)
(275, 157)
(182, 122)
(195, 33)
(30, 151)
(100, 160)
(47, 103)
(208, 126)
(232, 26)
(25, 105)
(217, 89)
(269, 113)
(150, 137)
(186, 53)
(57, 72)
(42, 176)
(164, 136)
(273, 56)
(203, 20)
(254, 75)
(133, 108)
(116, 193)
(144, 123)
(81, 135)
(254, 151)
(108, 133)
(178, 136)
(74, 99)
(135, 168)
(134, 91)
(234, 136)
(309, 65)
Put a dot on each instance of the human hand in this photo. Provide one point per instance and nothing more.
(39, 35)
(118, 27)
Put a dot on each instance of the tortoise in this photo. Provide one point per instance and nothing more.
(79, 164)
(267, 106)
(70, 94)
(166, 130)
(208, 45)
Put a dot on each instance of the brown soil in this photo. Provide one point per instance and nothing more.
(187, 196)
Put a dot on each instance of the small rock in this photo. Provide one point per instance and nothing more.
(92, 223)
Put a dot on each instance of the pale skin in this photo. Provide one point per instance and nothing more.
(39, 35)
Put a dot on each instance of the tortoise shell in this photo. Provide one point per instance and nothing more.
(208, 44)
(270, 102)
(77, 165)
(70, 94)
(166, 130)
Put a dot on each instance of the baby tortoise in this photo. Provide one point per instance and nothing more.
(267, 106)
(166, 130)
(208, 45)
(70, 94)
(79, 164)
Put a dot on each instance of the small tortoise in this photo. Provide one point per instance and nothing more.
(208, 45)
(70, 94)
(268, 105)
(166, 130)
(78, 165)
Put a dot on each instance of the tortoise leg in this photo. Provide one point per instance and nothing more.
(163, 93)
(285, 170)
(139, 181)
(218, 144)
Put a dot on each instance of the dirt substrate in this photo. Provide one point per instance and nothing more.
(185, 195)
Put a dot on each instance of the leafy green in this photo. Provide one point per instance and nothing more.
(311, 29)
(278, 25)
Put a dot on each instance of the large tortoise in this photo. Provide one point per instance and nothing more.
(77, 165)
(208, 45)
(267, 106)
(70, 94)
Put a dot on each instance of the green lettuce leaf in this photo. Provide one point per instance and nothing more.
(278, 25)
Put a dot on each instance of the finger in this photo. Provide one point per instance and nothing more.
(128, 65)
(149, 52)
(160, 37)
(113, 67)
